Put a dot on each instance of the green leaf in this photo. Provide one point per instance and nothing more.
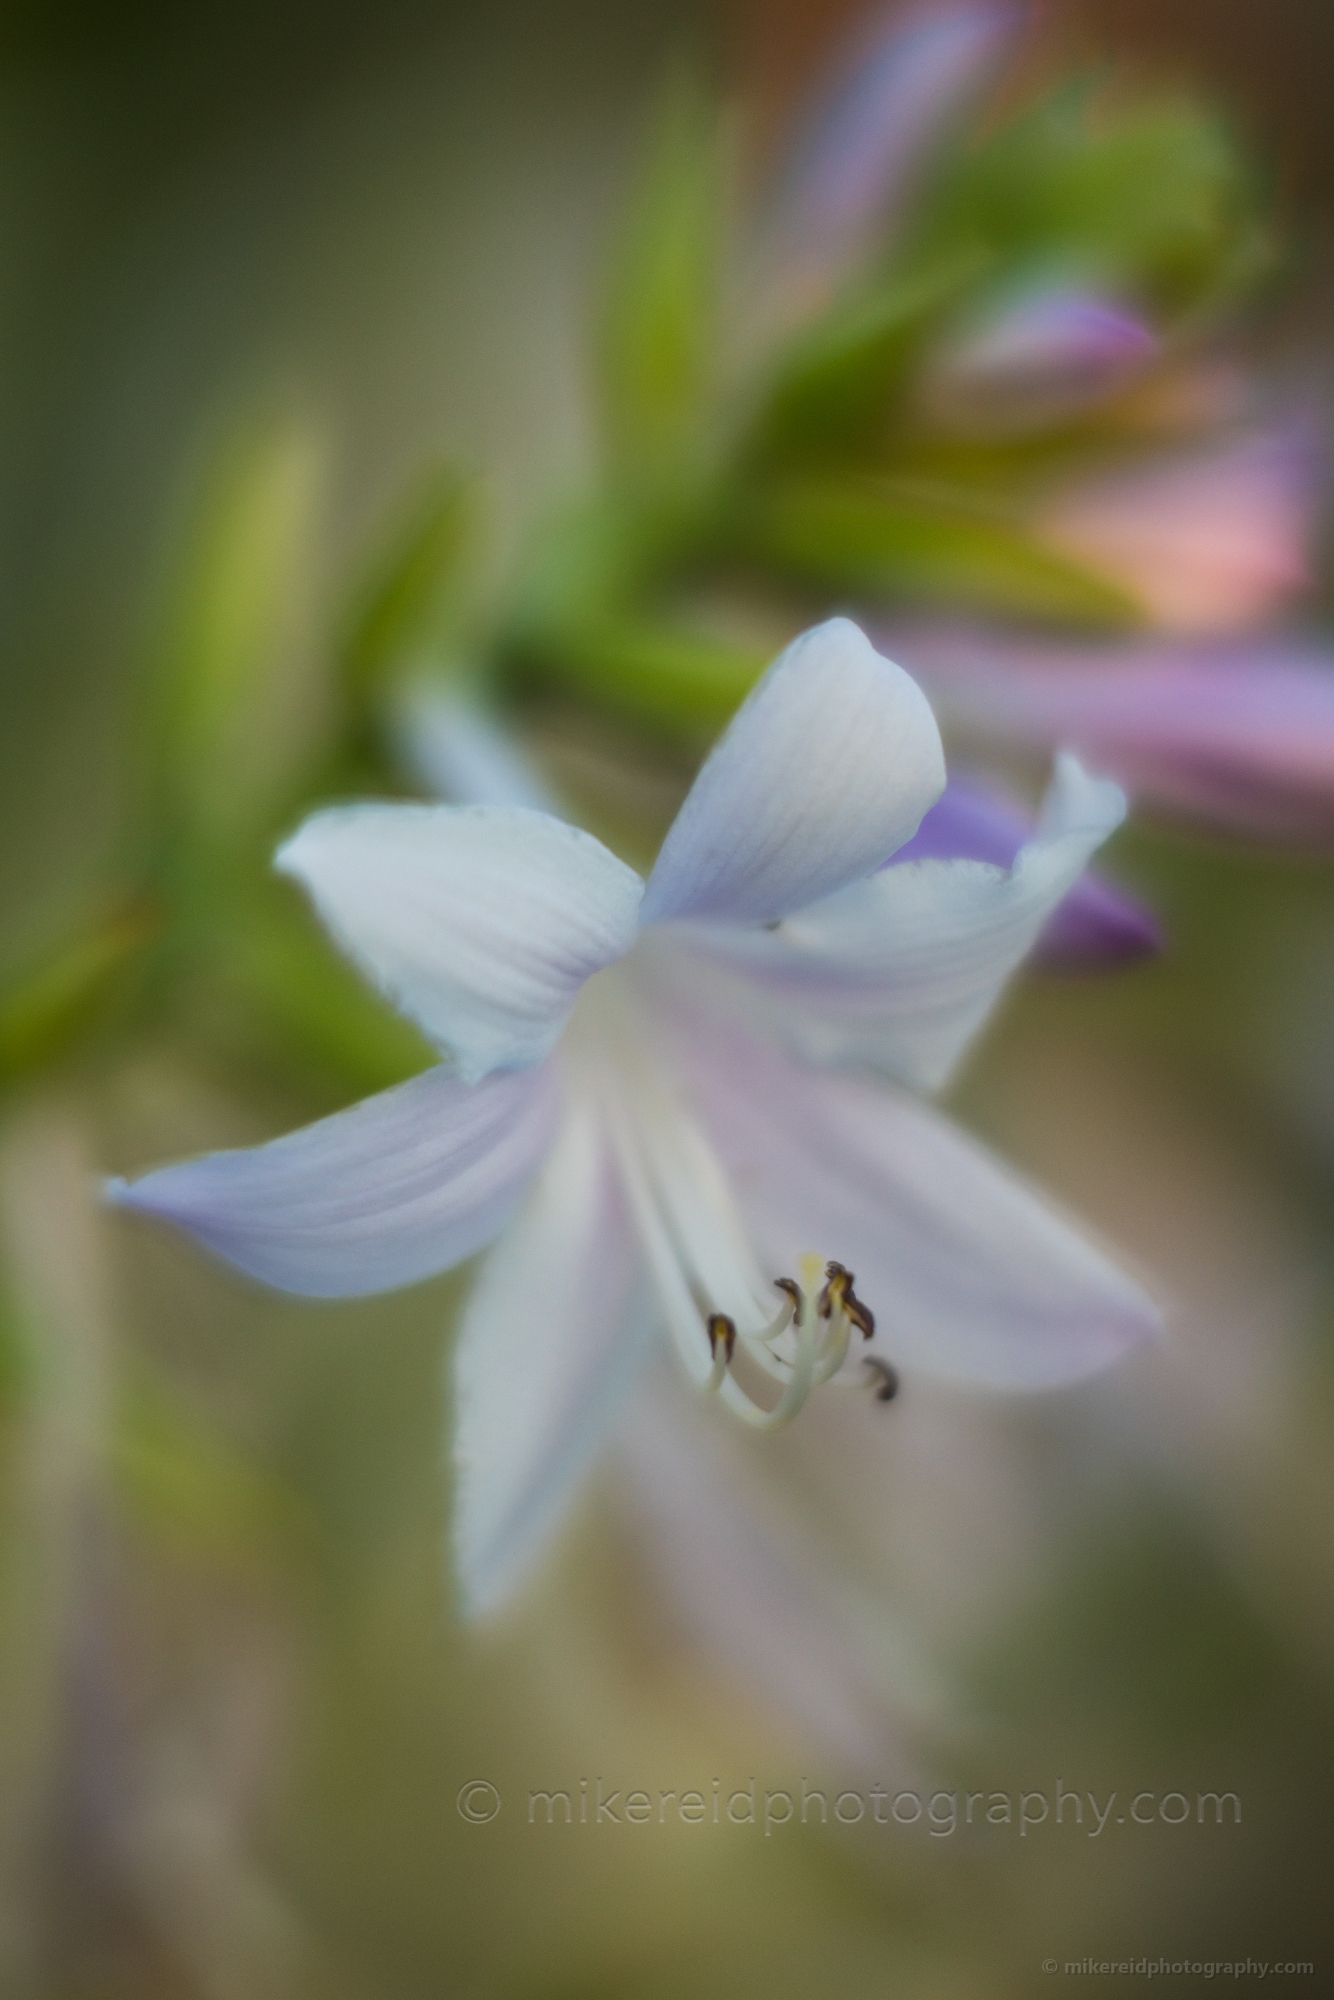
(834, 392)
(583, 612)
(651, 671)
(884, 539)
(605, 555)
(406, 605)
(596, 614)
(44, 1009)
(233, 696)
(659, 334)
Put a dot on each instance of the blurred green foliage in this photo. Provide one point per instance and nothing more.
(1152, 199)
(884, 540)
(816, 468)
(176, 1477)
(658, 354)
(47, 1007)
(410, 600)
(219, 733)
(13, 1363)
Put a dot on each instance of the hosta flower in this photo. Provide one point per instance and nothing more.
(681, 1104)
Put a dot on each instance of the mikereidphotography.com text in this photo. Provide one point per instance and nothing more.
(597, 1802)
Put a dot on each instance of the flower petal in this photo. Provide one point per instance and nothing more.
(899, 971)
(394, 1189)
(1241, 736)
(479, 923)
(825, 770)
(763, 1597)
(1096, 925)
(971, 1273)
(550, 1343)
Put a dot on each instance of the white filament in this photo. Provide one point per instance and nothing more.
(692, 1236)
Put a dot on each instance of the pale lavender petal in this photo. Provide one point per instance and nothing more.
(1209, 543)
(392, 1190)
(824, 771)
(906, 79)
(899, 972)
(1040, 358)
(1097, 925)
(750, 1587)
(971, 1273)
(1241, 736)
(455, 748)
(480, 923)
(551, 1340)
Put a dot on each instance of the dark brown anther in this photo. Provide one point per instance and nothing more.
(793, 1290)
(838, 1293)
(724, 1329)
(860, 1315)
(838, 1283)
(888, 1387)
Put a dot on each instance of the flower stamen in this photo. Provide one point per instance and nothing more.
(838, 1296)
(793, 1290)
(722, 1345)
(722, 1331)
(888, 1386)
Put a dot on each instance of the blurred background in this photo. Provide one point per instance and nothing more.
(238, 1705)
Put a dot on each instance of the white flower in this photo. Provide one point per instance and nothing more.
(663, 1095)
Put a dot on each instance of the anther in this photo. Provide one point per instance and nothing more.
(723, 1329)
(839, 1295)
(860, 1315)
(793, 1290)
(888, 1387)
(838, 1280)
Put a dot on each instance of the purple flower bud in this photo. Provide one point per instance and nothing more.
(1097, 925)
(1039, 359)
